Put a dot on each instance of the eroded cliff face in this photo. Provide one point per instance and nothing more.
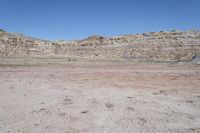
(154, 46)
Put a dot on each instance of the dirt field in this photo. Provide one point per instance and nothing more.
(100, 98)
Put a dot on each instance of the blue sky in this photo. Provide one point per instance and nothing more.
(77, 19)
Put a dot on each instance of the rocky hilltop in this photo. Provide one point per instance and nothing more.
(173, 46)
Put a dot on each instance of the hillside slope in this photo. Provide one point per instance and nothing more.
(154, 46)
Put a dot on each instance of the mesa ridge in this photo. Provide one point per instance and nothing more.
(163, 46)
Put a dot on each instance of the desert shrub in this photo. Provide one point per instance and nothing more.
(173, 30)
(145, 34)
(1, 30)
(197, 37)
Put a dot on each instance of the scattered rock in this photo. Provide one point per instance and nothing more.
(62, 114)
(84, 112)
(155, 93)
(130, 97)
(196, 59)
(143, 121)
(108, 105)
(130, 108)
(36, 124)
(162, 91)
(11, 87)
(190, 101)
(67, 101)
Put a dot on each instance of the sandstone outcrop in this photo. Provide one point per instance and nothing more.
(174, 46)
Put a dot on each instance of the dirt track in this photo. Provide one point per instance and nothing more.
(100, 98)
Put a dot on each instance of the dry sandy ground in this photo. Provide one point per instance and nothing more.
(100, 98)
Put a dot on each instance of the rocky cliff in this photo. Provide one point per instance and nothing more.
(173, 46)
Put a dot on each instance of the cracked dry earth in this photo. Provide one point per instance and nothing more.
(100, 98)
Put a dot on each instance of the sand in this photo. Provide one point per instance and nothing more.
(100, 98)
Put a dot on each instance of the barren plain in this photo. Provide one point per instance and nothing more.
(100, 98)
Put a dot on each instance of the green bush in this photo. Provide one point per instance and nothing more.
(1, 30)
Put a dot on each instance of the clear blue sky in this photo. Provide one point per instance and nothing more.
(76, 19)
